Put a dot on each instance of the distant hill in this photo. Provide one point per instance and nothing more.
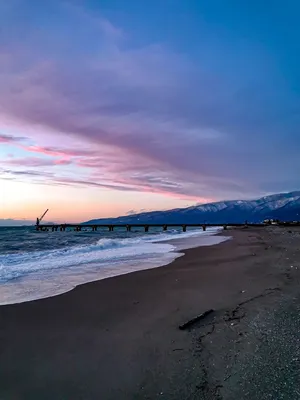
(15, 222)
(282, 206)
(10, 222)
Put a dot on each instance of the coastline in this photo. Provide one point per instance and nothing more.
(49, 277)
(119, 337)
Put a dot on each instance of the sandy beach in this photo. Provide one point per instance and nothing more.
(119, 338)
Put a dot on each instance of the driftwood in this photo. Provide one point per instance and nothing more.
(194, 320)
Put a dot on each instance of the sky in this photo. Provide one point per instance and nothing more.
(113, 107)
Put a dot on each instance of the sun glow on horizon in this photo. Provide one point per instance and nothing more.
(20, 200)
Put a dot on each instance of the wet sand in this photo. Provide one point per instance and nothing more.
(119, 338)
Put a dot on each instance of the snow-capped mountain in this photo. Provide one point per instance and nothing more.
(282, 206)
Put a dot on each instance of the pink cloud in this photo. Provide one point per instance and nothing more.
(59, 152)
(137, 142)
(34, 162)
(123, 185)
(167, 121)
(62, 162)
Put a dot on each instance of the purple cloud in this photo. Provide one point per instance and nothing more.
(187, 131)
(35, 162)
(59, 152)
(9, 138)
(19, 173)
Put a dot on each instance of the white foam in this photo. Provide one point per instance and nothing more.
(35, 275)
(13, 266)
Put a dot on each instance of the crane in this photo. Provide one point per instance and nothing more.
(38, 220)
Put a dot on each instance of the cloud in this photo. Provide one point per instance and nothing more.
(81, 182)
(150, 118)
(62, 162)
(131, 212)
(35, 162)
(29, 173)
(10, 139)
(95, 20)
(53, 180)
(141, 210)
(59, 152)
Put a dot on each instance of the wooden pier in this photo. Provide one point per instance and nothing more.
(129, 227)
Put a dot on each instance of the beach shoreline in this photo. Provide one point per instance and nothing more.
(49, 277)
(119, 338)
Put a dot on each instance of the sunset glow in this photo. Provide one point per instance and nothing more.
(102, 115)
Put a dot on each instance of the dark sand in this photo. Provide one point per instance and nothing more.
(119, 338)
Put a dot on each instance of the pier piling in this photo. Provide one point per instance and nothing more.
(164, 227)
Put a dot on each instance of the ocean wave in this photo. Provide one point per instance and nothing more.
(103, 252)
(106, 251)
(29, 275)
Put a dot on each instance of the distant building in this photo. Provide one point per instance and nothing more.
(271, 221)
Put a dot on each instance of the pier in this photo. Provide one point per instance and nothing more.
(129, 227)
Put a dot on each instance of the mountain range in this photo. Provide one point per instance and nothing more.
(282, 206)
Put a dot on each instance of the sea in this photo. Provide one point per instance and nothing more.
(35, 265)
